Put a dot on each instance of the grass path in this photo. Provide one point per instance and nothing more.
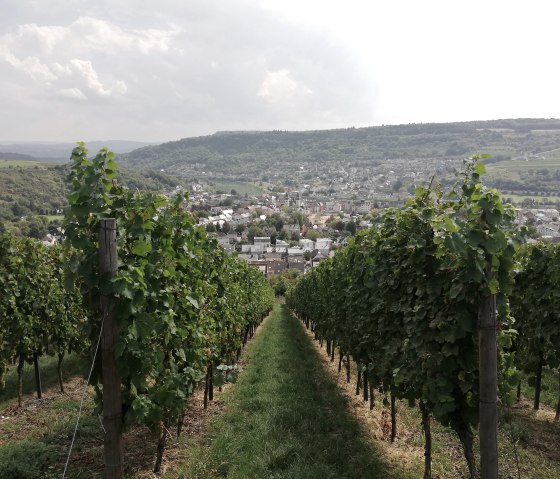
(285, 418)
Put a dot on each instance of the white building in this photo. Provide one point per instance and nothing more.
(306, 244)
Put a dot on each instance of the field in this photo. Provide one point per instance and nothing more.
(241, 188)
(25, 164)
(54, 217)
(534, 177)
(550, 161)
(549, 200)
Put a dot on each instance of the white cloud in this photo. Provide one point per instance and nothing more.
(86, 70)
(72, 93)
(61, 70)
(54, 55)
(30, 65)
(109, 38)
(181, 68)
(189, 69)
(47, 37)
(278, 86)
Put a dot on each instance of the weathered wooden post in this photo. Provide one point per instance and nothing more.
(488, 383)
(37, 375)
(112, 403)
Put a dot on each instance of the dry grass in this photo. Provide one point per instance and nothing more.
(535, 439)
(51, 420)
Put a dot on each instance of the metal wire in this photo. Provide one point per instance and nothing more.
(83, 397)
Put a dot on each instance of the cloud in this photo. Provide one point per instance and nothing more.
(109, 38)
(187, 69)
(86, 70)
(278, 86)
(72, 94)
(29, 65)
(46, 37)
(59, 51)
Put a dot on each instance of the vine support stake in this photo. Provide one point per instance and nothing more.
(488, 383)
(37, 375)
(112, 403)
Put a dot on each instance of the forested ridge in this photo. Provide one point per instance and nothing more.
(31, 188)
(238, 152)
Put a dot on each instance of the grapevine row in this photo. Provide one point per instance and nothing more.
(184, 306)
(403, 300)
(37, 314)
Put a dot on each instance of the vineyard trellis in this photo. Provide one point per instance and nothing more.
(536, 306)
(183, 306)
(403, 301)
(37, 314)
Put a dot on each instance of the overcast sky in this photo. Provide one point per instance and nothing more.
(168, 69)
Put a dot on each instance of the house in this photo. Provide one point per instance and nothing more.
(262, 266)
(241, 218)
(347, 205)
(333, 207)
(317, 259)
(295, 252)
(262, 240)
(324, 245)
(260, 244)
(365, 207)
(293, 228)
(226, 243)
(299, 265)
(275, 267)
(246, 256)
(306, 244)
(49, 240)
(273, 256)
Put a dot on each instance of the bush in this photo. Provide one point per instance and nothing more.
(28, 460)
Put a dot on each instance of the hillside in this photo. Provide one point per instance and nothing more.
(15, 156)
(249, 153)
(60, 152)
(31, 187)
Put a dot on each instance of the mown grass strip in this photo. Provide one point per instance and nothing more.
(285, 418)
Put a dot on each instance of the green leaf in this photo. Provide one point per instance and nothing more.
(141, 247)
(193, 301)
(479, 168)
(493, 286)
(143, 325)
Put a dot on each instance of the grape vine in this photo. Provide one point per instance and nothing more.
(402, 299)
(183, 305)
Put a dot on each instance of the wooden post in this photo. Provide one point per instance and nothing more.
(393, 417)
(37, 375)
(428, 440)
(488, 383)
(538, 380)
(112, 403)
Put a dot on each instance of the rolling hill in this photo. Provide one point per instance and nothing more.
(249, 153)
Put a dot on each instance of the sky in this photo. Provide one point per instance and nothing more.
(158, 71)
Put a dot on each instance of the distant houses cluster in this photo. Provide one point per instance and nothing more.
(546, 221)
(274, 259)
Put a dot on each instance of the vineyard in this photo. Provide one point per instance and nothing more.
(415, 309)
(408, 300)
(183, 307)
